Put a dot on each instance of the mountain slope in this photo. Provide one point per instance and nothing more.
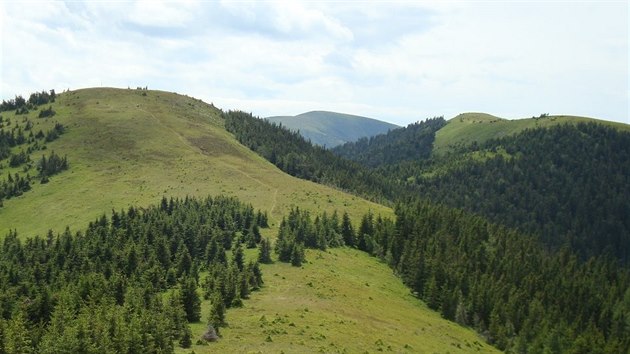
(131, 147)
(467, 128)
(330, 129)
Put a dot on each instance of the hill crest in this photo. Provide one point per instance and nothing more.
(466, 128)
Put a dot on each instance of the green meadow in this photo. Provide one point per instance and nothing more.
(340, 301)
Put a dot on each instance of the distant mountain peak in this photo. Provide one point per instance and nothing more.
(331, 129)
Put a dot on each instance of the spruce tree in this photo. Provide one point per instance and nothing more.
(264, 251)
(238, 258)
(216, 316)
(190, 299)
(297, 254)
(347, 232)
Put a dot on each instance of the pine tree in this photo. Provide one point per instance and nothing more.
(297, 254)
(347, 232)
(264, 251)
(185, 341)
(190, 299)
(238, 258)
(17, 338)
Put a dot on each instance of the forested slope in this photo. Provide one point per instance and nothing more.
(413, 143)
(567, 183)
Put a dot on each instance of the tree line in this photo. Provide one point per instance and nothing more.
(22, 106)
(127, 283)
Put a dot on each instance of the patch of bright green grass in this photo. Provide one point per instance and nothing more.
(340, 301)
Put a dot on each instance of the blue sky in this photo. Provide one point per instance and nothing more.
(396, 61)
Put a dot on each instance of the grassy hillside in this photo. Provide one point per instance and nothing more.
(331, 129)
(469, 127)
(131, 147)
(342, 301)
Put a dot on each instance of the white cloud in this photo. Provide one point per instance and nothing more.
(397, 61)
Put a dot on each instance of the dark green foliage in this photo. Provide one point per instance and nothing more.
(297, 254)
(45, 113)
(238, 258)
(298, 231)
(415, 142)
(22, 105)
(569, 184)
(190, 299)
(347, 232)
(216, 317)
(51, 166)
(17, 159)
(53, 134)
(504, 284)
(101, 290)
(298, 157)
(264, 251)
(16, 184)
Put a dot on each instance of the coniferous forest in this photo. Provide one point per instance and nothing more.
(128, 283)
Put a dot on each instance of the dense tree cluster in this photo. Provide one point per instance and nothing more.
(291, 153)
(105, 289)
(298, 231)
(22, 106)
(13, 137)
(15, 184)
(505, 285)
(51, 166)
(569, 184)
(412, 143)
(47, 112)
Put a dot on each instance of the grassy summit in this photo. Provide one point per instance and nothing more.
(131, 147)
(467, 128)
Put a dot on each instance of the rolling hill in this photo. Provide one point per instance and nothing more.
(132, 147)
(478, 127)
(330, 129)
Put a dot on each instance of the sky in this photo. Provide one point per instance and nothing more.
(397, 61)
